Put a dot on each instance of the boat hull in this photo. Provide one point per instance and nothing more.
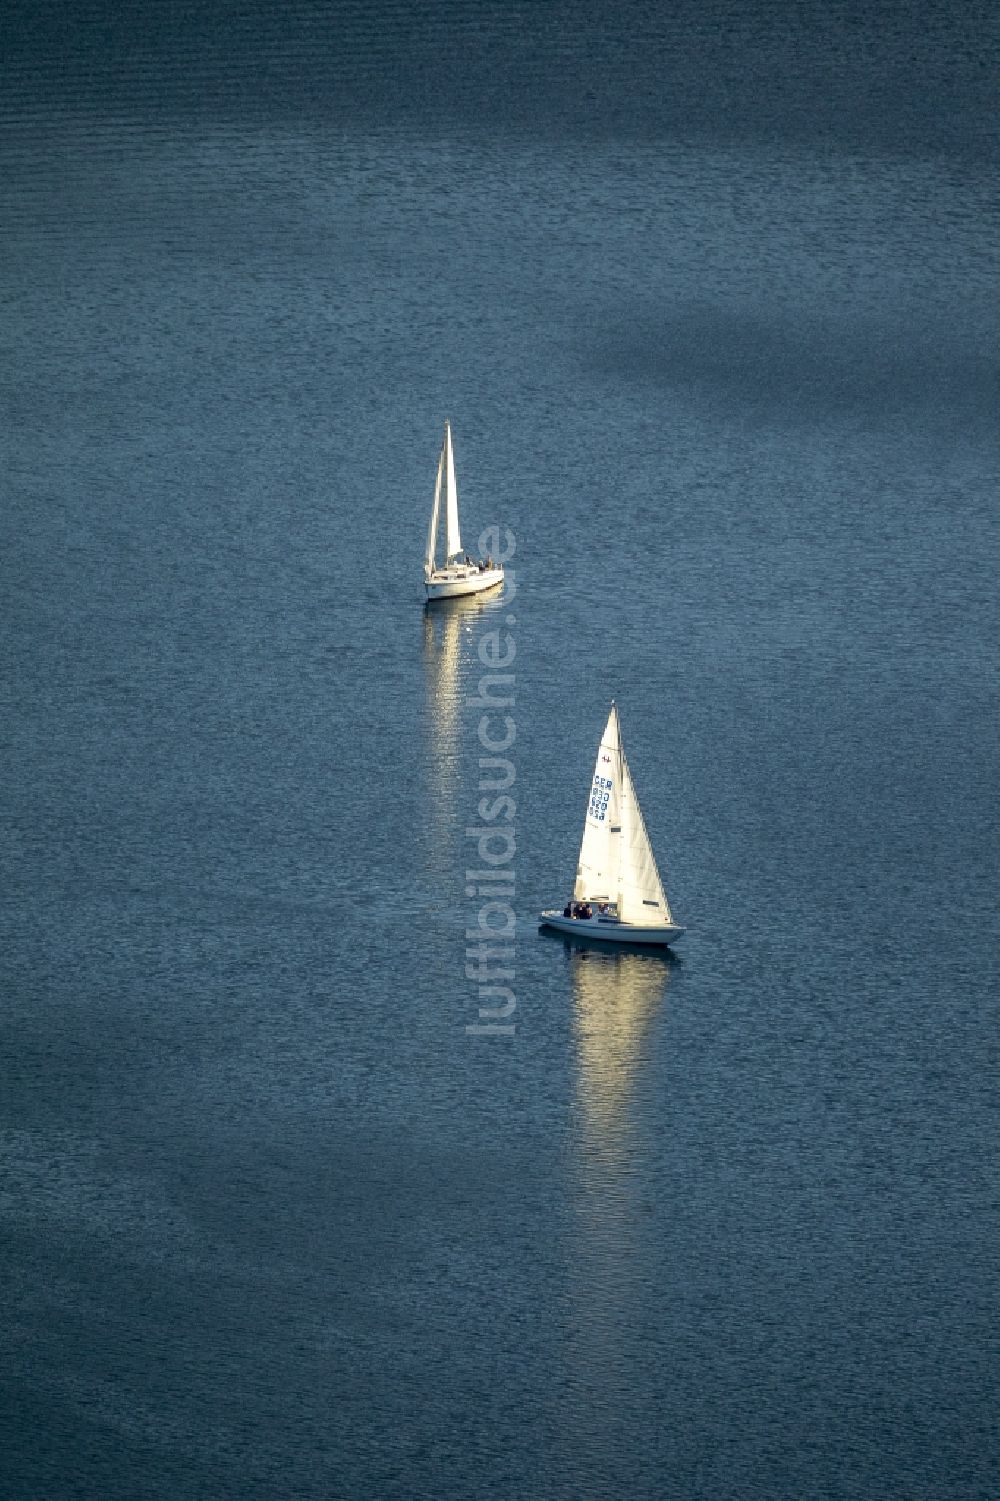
(609, 930)
(450, 585)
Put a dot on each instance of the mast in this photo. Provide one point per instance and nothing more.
(454, 544)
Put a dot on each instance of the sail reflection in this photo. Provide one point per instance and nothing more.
(616, 997)
(617, 994)
(442, 631)
(451, 631)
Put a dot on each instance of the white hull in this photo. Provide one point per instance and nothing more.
(449, 583)
(610, 930)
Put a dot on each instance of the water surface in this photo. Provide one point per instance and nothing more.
(716, 1226)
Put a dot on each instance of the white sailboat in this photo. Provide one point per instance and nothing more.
(458, 574)
(618, 895)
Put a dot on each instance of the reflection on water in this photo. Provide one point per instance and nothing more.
(616, 995)
(452, 629)
(441, 656)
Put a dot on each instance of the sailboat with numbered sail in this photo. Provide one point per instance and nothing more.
(458, 574)
(618, 895)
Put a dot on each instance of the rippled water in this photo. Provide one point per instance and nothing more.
(275, 1224)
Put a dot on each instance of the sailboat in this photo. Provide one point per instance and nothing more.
(618, 895)
(458, 574)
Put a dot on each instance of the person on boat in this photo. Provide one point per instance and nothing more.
(567, 910)
(587, 911)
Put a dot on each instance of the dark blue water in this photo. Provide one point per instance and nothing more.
(710, 299)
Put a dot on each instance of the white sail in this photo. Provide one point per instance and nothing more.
(600, 857)
(642, 898)
(435, 513)
(616, 859)
(451, 489)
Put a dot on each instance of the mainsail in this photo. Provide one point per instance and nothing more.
(617, 863)
(597, 869)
